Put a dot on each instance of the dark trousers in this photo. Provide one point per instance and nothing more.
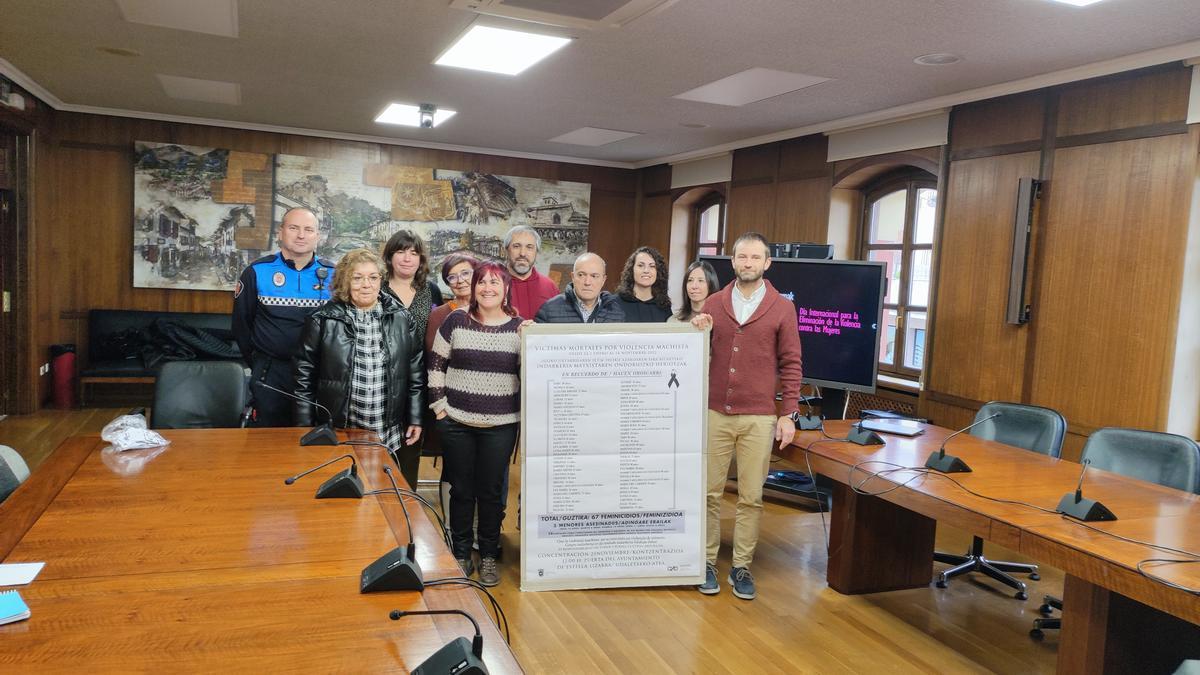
(272, 408)
(476, 459)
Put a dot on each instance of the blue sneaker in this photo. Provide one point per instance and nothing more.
(742, 582)
(710, 585)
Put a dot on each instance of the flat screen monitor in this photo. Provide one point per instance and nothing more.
(839, 308)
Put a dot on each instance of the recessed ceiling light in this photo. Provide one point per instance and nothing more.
(938, 59)
(750, 86)
(119, 51)
(410, 115)
(593, 136)
(497, 50)
(205, 91)
(1078, 3)
(215, 17)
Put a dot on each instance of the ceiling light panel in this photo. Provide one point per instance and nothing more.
(498, 50)
(749, 86)
(215, 17)
(205, 91)
(593, 137)
(409, 115)
(1078, 3)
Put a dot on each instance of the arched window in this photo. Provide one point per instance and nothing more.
(557, 220)
(709, 216)
(898, 229)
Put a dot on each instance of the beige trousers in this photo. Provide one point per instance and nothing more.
(751, 437)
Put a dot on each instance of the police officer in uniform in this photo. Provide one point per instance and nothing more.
(271, 301)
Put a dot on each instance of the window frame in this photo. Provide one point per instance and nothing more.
(910, 180)
(705, 203)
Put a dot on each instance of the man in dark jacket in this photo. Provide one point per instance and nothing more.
(584, 301)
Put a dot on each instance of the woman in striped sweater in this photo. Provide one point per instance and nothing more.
(474, 389)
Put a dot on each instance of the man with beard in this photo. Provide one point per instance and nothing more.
(752, 326)
(530, 289)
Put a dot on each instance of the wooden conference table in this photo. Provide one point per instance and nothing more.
(198, 557)
(1114, 618)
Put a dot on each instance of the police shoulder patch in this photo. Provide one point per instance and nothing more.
(237, 288)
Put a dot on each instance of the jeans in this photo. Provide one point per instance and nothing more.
(476, 460)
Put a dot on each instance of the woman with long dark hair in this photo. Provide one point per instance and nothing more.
(474, 389)
(406, 258)
(643, 287)
(699, 283)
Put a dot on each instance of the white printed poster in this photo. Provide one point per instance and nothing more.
(613, 432)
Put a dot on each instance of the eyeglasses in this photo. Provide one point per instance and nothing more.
(461, 276)
(359, 280)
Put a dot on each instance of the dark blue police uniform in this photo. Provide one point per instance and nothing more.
(271, 302)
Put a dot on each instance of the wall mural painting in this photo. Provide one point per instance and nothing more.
(362, 204)
(199, 214)
(202, 214)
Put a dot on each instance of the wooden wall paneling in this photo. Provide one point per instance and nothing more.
(946, 414)
(656, 178)
(615, 241)
(801, 210)
(978, 356)
(755, 163)
(1123, 101)
(804, 157)
(998, 122)
(1116, 219)
(751, 208)
(656, 232)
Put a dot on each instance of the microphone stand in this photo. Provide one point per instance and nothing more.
(457, 657)
(1074, 505)
(343, 484)
(942, 463)
(396, 570)
(322, 434)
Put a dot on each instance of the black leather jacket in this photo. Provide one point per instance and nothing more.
(325, 357)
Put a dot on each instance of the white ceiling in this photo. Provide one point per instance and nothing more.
(331, 67)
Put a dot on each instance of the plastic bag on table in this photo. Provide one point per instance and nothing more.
(131, 432)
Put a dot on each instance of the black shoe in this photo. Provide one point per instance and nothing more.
(468, 567)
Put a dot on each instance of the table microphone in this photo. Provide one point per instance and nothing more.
(322, 434)
(941, 462)
(457, 657)
(863, 436)
(396, 570)
(343, 484)
(1075, 506)
(809, 422)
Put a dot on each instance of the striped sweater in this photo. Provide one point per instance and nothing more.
(474, 371)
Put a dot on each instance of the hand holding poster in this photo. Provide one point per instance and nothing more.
(613, 475)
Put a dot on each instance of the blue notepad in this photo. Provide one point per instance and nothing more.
(12, 607)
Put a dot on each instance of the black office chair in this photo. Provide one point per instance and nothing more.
(13, 471)
(1170, 460)
(1033, 428)
(199, 395)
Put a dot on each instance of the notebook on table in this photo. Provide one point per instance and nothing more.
(12, 607)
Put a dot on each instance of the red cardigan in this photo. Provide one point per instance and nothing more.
(746, 358)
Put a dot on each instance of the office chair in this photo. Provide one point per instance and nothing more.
(199, 395)
(1170, 460)
(1033, 428)
(13, 471)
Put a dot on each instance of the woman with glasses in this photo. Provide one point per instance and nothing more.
(457, 271)
(360, 358)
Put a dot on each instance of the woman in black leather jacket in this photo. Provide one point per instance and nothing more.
(359, 356)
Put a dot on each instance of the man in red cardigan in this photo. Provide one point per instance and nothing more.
(752, 325)
(530, 289)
